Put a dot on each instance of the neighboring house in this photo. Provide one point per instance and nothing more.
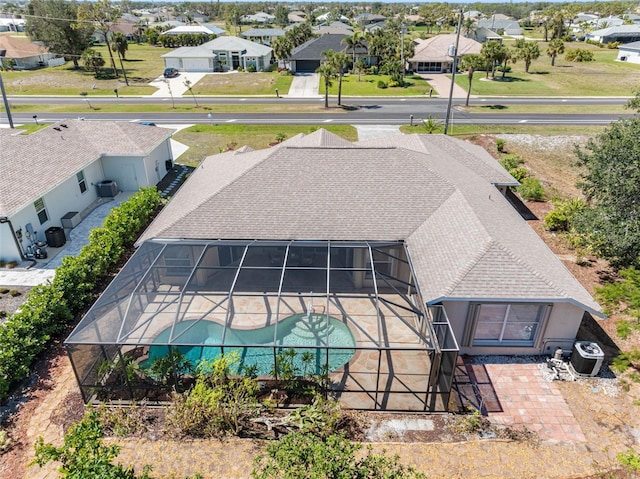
(192, 17)
(473, 14)
(333, 28)
(622, 34)
(367, 18)
(606, 22)
(194, 29)
(12, 24)
(482, 35)
(629, 52)
(297, 17)
(384, 259)
(262, 35)
(54, 171)
(21, 54)
(307, 57)
(260, 17)
(432, 55)
(510, 27)
(328, 15)
(372, 27)
(221, 54)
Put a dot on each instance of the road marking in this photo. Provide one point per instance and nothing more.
(243, 99)
(327, 121)
(231, 121)
(523, 121)
(564, 100)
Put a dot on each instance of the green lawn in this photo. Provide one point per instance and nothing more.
(367, 85)
(243, 83)
(218, 138)
(603, 77)
(525, 128)
(143, 64)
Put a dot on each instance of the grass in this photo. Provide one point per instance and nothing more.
(243, 83)
(489, 129)
(143, 64)
(603, 77)
(367, 85)
(206, 140)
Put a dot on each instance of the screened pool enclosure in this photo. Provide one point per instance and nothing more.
(349, 310)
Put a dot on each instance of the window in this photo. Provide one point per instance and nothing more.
(383, 262)
(508, 324)
(82, 183)
(41, 211)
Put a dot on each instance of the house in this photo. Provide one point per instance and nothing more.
(297, 16)
(221, 54)
(381, 260)
(629, 52)
(21, 54)
(262, 35)
(432, 55)
(367, 18)
(308, 56)
(259, 17)
(508, 27)
(195, 29)
(333, 28)
(54, 171)
(12, 24)
(622, 34)
(192, 16)
(482, 35)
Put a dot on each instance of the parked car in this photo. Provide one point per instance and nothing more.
(171, 72)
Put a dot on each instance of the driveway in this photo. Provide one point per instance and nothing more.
(304, 85)
(168, 87)
(441, 84)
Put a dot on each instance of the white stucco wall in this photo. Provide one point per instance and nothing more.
(560, 331)
(629, 56)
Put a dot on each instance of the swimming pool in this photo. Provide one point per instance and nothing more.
(314, 334)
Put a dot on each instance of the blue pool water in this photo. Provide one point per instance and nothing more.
(299, 331)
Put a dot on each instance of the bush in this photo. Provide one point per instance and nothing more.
(519, 173)
(531, 189)
(511, 161)
(251, 68)
(579, 55)
(382, 84)
(49, 308)
(562, 214)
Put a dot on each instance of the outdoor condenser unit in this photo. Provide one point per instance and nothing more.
(586, 358)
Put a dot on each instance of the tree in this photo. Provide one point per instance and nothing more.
(472, 63)
(282, 47)
(555, 48)
(327, 72)
(299, 455)
(53, 22)
(353, 42)
(338, 61)
(468, 26)
(120, 44)
(93, 60)
(282, 15)
(611, 183)
(492, 51)
(189, 86)
(634, 103)
(103, 15)
(527, 51)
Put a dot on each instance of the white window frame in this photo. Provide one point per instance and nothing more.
(82, 182)
(41, 209)
(543, 312)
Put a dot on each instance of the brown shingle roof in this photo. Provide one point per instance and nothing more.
(19, 47)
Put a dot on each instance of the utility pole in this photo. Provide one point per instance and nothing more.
(453, 52)
(4, 93)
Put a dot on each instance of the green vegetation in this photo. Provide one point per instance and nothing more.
(367, 85)
(219, 138)
(302, 455)
(49, 308)
(243, 84)
(531, 189)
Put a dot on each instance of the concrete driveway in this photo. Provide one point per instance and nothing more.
(175, 86)
(304, 85)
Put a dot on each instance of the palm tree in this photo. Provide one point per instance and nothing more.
(282, 47)
(338, 61)
(431, 124)
(528, 51)
(353, 42)
(468, 27)
(327, 73)
(120, 44)
(509, 55)
(492, 52)
(555, 48)
(471, 63)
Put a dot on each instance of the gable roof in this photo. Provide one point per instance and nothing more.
(263, 32)
(34, 164)
(313, 49)
(436, 49)
(220, 44)
(434, 192)
(634, 46)
(20, 47)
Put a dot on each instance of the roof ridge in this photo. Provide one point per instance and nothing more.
(473, 261)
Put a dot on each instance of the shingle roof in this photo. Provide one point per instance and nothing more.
(20, 47)
(34, 164)
(263, 32)
(434, 192)
(436, 49)
(312, 49)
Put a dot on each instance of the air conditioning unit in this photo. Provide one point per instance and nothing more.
(107, 189)
(586, 358)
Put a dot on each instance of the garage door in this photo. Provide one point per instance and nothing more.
(307, 66)
(196, 65)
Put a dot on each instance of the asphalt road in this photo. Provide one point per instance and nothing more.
(372, 110)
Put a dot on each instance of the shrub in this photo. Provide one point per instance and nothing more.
(519, 173)
(14, 293)
(251, 68)
(2, 263)
(579, 55)
(3, 314)
(500, 145)
(4, 290)
(382, 84)
(12, 264)
(562, 214)
(531, 189)
(511, 161)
